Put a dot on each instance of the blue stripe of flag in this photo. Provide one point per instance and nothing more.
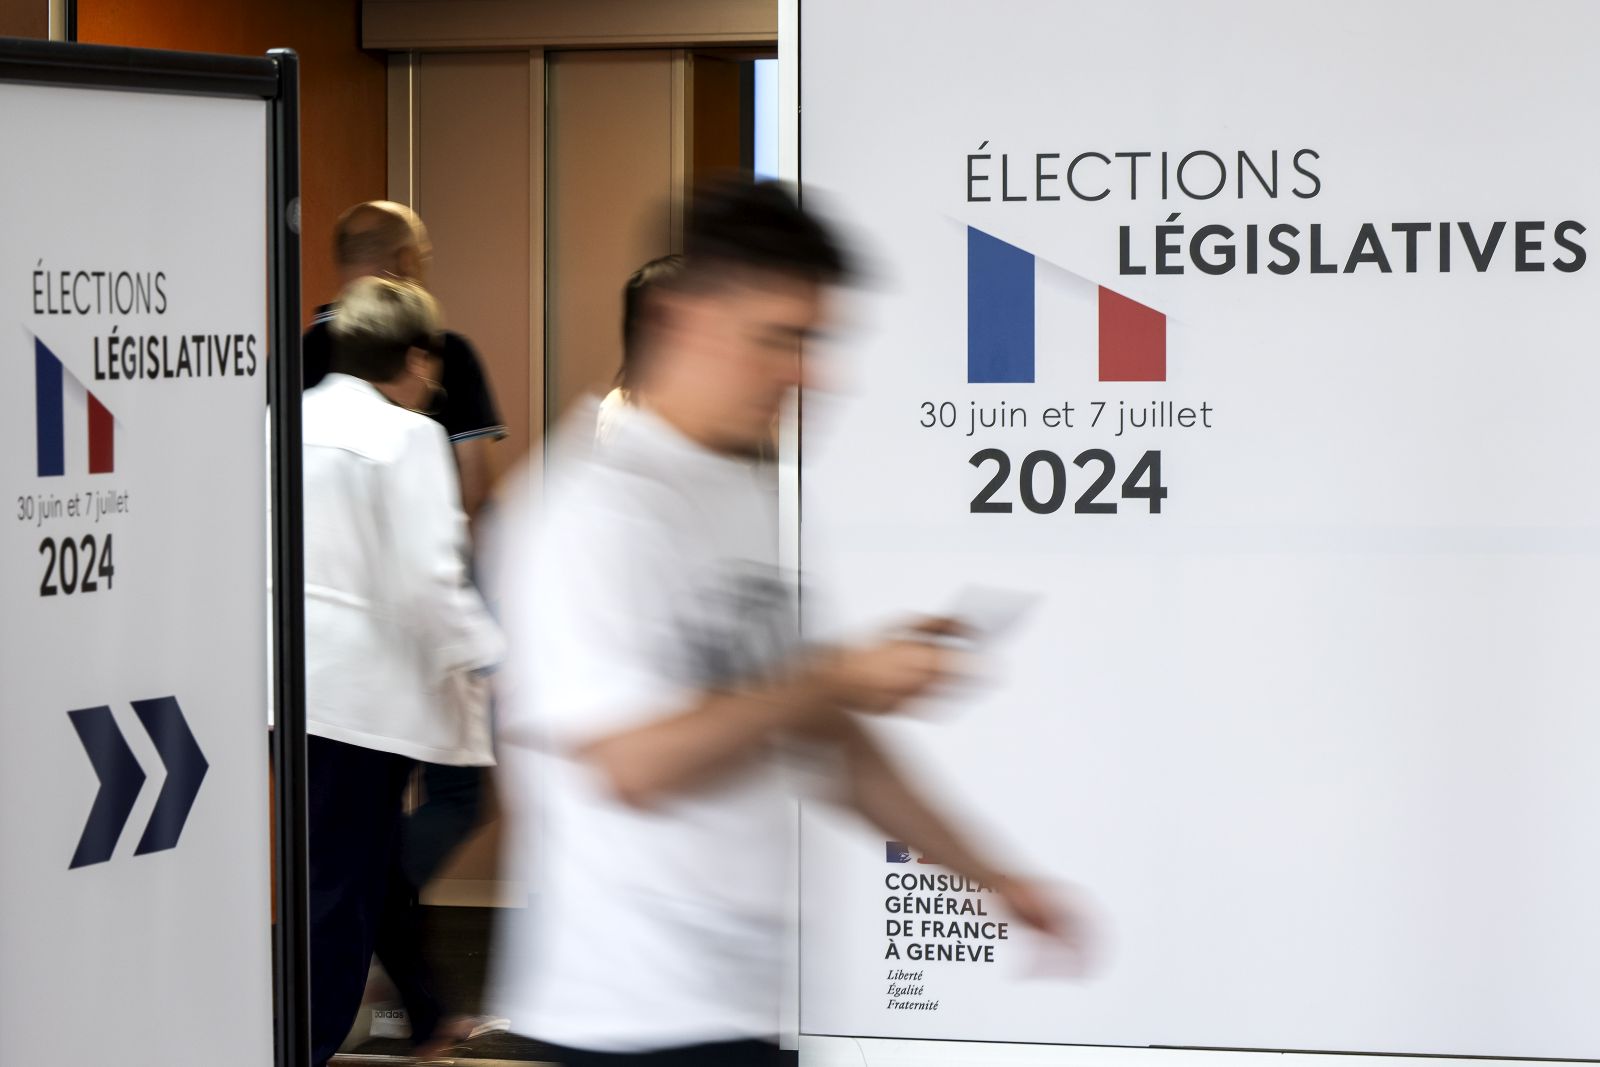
(999, 310)
(50, 413)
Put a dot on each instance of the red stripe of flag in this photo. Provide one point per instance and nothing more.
(102, 447)
(1133, 340)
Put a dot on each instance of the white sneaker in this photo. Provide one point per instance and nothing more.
(389, 1019)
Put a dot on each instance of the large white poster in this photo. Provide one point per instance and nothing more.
(134, 884)
(1259, 340)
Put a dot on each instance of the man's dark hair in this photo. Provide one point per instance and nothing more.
(759, 226)
(634, 296)
(736, 230)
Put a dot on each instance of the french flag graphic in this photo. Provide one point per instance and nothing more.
(1018, 303)
(75, 431)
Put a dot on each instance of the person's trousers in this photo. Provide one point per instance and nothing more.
(354, 796)
(722, 1054)
(452, 801)
(398, 945)
(449, 813)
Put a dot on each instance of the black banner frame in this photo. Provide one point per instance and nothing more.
(275, 80)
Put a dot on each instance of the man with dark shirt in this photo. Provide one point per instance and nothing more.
(388, 239)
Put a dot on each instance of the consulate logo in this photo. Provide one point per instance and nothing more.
(900, 852)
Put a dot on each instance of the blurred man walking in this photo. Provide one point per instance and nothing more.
(660, 686)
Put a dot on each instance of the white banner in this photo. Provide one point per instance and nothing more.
(134, 890)
(1258, 341)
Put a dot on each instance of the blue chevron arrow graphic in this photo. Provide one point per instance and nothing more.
(186, 769)
(120, 776)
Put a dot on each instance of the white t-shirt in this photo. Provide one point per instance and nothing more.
(649, 576)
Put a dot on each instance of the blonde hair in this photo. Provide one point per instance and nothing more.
(377, 321)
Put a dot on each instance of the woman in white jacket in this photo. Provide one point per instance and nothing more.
(397, 640)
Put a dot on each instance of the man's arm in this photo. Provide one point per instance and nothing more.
(476, 472)
(724, 728)
(882, 794)
(470, 417)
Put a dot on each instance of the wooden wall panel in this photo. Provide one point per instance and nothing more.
(459, 24)
(473, 191)
(472, 172)
(25, 18)
(342, 120)
(614, 145)
(717, 125)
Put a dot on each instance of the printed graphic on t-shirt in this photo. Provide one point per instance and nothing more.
(739, 626)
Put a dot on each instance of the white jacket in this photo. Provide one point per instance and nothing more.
(391, 620)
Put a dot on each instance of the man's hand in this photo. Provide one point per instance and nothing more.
(1053, 911)
(882, 677)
